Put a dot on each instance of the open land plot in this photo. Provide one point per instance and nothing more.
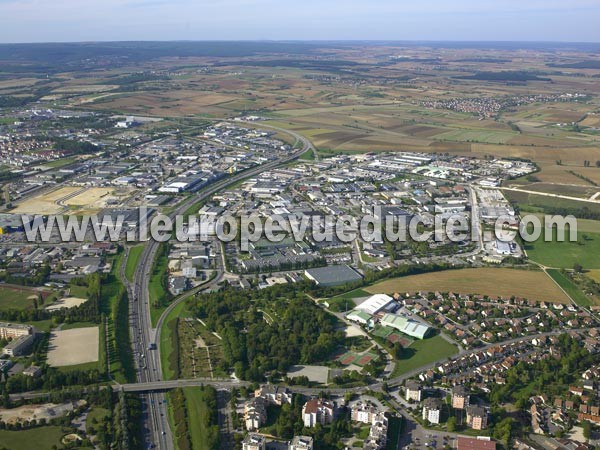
(85, 89)
(317, 374)
(423, 352)
(566, 254)
(493, 282)
(40, 438)
(67, 302)
(88, 197)
(36, 412)
(46, 203)
(20, 297)
(570, 190)
(571, 288)
(487, 136)
(594, 274)
(73, 347)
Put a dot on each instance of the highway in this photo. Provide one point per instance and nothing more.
(145, 339)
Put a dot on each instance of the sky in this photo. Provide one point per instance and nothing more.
(436, 20)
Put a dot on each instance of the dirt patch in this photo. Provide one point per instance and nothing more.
(72, 347)
(36, 412)
(67, 302)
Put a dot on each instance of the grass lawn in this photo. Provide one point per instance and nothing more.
(565, 254)
(57, 163)
(421, 353)
(42, 325)
(571, 288)
(532, 284)
(133, 261)
(70, 326)
(199, 418)
(16, 298)
(116, 310)
(356, 293)
(159, 297)
(308, 155)
(40, 438)
(78, 291)
(166, 340)
(97, 413)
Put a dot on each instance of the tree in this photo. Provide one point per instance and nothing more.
(451, 424)
(587, 429)
(577, 268)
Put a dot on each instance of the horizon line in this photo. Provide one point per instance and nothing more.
(430, 41)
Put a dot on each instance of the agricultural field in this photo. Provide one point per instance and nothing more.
(564, 255)
(571, 288)
(493, 282)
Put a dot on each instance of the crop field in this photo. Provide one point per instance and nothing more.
(570, 288)
(543, 204)
(565, 254)
(73, 347)
(486, 136)
(570, 190)
(493, 282)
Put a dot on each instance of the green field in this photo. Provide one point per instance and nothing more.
(98, 414)
(544, 204)
(470, 135)
(564, 255)
(40, 438)
(115, 305)
(133, 260)
(421, 353)
(570, 288)
(159, 296)
(166, 340)
(78, 291)
(200, 417)
(15, 298)
(57, 163)
(308, 155)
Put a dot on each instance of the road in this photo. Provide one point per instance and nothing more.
(145, 339)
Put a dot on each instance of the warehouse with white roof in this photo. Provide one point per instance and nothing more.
(377, 303)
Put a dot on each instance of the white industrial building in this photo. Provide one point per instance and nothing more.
(377, 303)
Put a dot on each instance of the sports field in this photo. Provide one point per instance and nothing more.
(422, 353)
(73, 347)
(485, 281)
